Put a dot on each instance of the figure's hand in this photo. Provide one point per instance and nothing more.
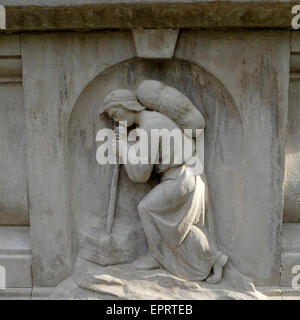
(119, 141)
(117, 132)
(115, 148)
(120, 131)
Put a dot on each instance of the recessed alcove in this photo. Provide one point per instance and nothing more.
(89, 182)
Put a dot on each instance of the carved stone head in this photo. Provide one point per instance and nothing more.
(118, 103)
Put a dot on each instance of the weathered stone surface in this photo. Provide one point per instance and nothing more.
(84, 167)
(2, 18)
(104, 14)
(128, 14)
(155, 43)
(15, 256)
(41, 293)
(170, 210)
(51, 90)
(13, 177)
(254, 68)
(292, 173)
(91, 281)
(290, 255)
(13, 190)
(238, 81)
(16, 294)
(292, 164)
(10, 45)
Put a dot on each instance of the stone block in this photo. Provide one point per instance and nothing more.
(155, 43)
(290, 255)
(127, 14)
(13, 173)
(10, 45)
(291, 212)
(15, 256)
(15, 294)
(239, 81)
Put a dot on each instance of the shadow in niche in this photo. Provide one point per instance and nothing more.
(89, 182)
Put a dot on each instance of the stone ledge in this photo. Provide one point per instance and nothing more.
(15, 294)
(280, 293)
(106, 14)
(42, 293)
(290, 255)
(15, 256)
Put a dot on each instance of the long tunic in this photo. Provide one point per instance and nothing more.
(172, 213)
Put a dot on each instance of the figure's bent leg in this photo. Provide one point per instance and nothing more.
(198, 254)
(147, 262)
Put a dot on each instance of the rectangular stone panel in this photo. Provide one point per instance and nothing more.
(250, 67)
(291, 212)
(290, 256)
(13, 181)
(10, 45)
(15, 256)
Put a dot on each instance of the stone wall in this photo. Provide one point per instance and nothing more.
(13, 186)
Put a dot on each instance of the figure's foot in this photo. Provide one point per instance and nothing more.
(217, 269)
(146, 263)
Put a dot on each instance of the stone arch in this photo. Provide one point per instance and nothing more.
(90, 183)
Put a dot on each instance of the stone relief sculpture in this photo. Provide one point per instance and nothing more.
(173, 212)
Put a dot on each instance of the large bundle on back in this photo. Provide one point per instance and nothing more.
(159, 97)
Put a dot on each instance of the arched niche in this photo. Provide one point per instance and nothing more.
(89, 182)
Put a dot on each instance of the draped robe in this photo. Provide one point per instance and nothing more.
(173, 212)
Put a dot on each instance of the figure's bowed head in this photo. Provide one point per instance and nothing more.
(121, 105)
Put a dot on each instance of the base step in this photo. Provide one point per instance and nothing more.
(15, 257)
(290, 255)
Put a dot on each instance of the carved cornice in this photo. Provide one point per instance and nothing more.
(45, 15)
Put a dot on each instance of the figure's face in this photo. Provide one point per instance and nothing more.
(119, 113)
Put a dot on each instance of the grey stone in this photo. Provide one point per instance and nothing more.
(16, 294)
(220, 73)
(13, 180)
(155, 43)
(290, 255)
(10, 45)
(128, 14)
(123, 282)
(247, 64)
(47, 116)
(292, 164)
(239, 81)
(15, 256)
